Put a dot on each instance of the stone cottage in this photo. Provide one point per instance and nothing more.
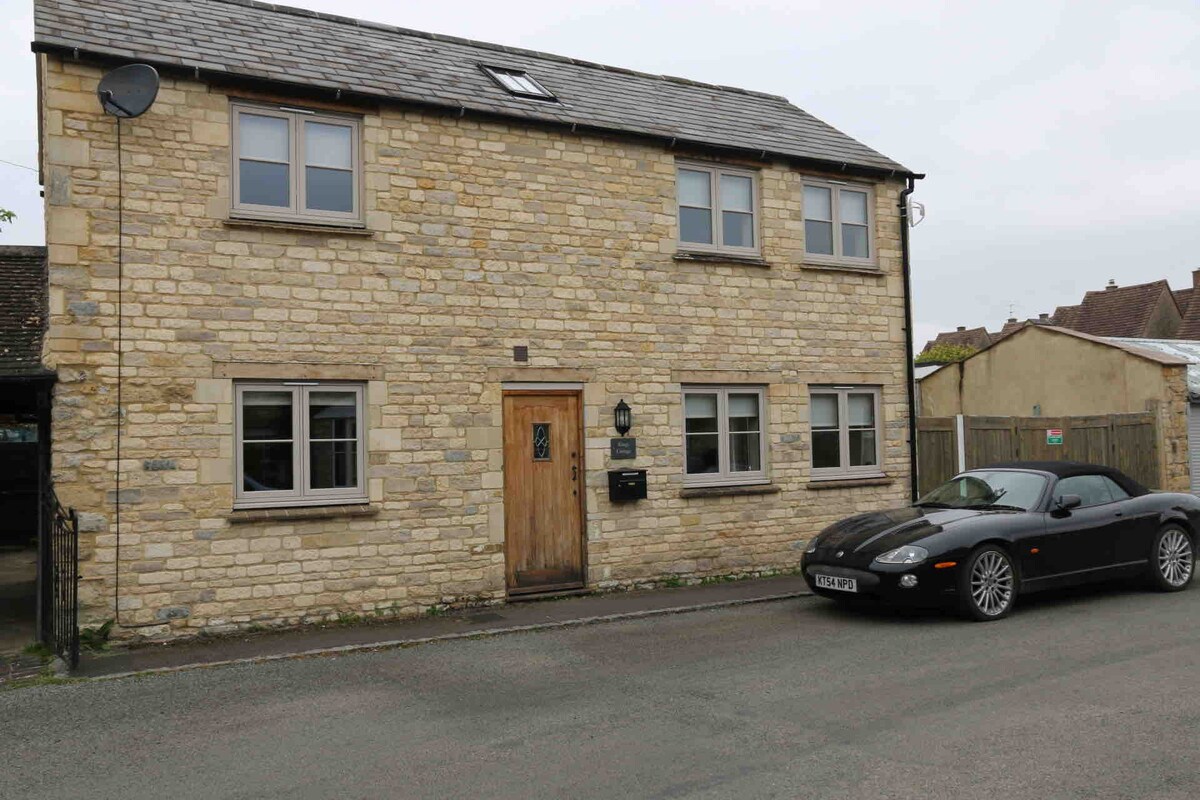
(367, 299)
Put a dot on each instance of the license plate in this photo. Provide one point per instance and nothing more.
(836, 583)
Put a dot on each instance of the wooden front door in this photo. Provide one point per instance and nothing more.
(543, 491)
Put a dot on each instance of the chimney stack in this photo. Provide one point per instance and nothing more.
(961, 328)
(1112, 284)
(1043, 317)
(1196, 279)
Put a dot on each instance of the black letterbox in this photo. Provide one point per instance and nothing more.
(626, 484)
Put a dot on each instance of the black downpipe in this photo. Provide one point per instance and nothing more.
(909, 367)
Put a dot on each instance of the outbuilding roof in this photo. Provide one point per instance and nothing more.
(301, 48)
(1181, 350)
(1148, 349)
(23, 311)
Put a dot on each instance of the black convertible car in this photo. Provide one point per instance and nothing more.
(991, 534)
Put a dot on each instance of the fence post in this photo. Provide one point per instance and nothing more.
(960, 437)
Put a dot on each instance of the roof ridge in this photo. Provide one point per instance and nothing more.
(1109, 290)
(441, 37)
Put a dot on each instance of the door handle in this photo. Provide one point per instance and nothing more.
(574, 472)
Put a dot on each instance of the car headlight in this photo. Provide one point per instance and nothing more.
(812, 546)
(909, 554)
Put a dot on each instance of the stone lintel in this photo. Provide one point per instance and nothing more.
(276, 370)
(538, 375)
(850, 378)
(703, 376)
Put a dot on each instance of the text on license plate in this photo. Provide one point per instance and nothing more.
(836, 583)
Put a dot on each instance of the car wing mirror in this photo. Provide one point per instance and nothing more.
(1067, 502)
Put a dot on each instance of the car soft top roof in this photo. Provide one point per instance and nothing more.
(1068, 469)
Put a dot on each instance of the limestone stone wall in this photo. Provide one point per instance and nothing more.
(480, 236)
(1174, 457)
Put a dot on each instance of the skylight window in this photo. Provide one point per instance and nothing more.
(518, 82)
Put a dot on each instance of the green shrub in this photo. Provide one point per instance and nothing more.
(946, 354)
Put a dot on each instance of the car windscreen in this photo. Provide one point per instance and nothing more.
(983, 489)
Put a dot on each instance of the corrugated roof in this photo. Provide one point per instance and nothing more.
(1182, 350)
(23, 311)
(1120, 343)
(1128, 345)
(304, 48)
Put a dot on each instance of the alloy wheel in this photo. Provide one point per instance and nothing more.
(1175, 558)
(992, 583)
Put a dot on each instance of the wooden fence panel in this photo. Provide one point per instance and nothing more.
(989, 440)
(1088, 439)
(1128, 442)
(1134, 447)
(937, 452)
(1031, 438)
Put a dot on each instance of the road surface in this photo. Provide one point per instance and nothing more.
(1085, 694)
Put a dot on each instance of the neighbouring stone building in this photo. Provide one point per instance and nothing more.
(381, 291)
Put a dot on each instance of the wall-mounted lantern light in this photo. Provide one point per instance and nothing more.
(622, 417)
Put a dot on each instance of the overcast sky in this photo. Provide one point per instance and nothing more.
(1061, 139)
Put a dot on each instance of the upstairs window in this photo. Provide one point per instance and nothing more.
(295, 165)
(519, 82)
(718, 210)
(839, 223)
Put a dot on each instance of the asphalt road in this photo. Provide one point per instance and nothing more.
(1088, 694)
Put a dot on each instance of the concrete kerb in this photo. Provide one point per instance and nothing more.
(395, 644)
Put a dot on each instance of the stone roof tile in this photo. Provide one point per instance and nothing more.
(23, 311)
(1119, 311)
(263, 41)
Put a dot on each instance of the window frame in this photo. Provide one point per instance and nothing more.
(715, 171)
(300, 494)
(844, 471)
(498, 74)
(837, 259)
(1108, 483)
(723, 476)
(297, 174)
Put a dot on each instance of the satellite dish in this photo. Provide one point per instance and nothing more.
(128, 91)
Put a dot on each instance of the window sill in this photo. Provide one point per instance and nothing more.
(850, 483)
(727, 491)
(721, 258)
(356, 229)
(296, 513)
(836, 266)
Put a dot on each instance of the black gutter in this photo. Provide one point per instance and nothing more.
(330, 93)
(909, 367)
